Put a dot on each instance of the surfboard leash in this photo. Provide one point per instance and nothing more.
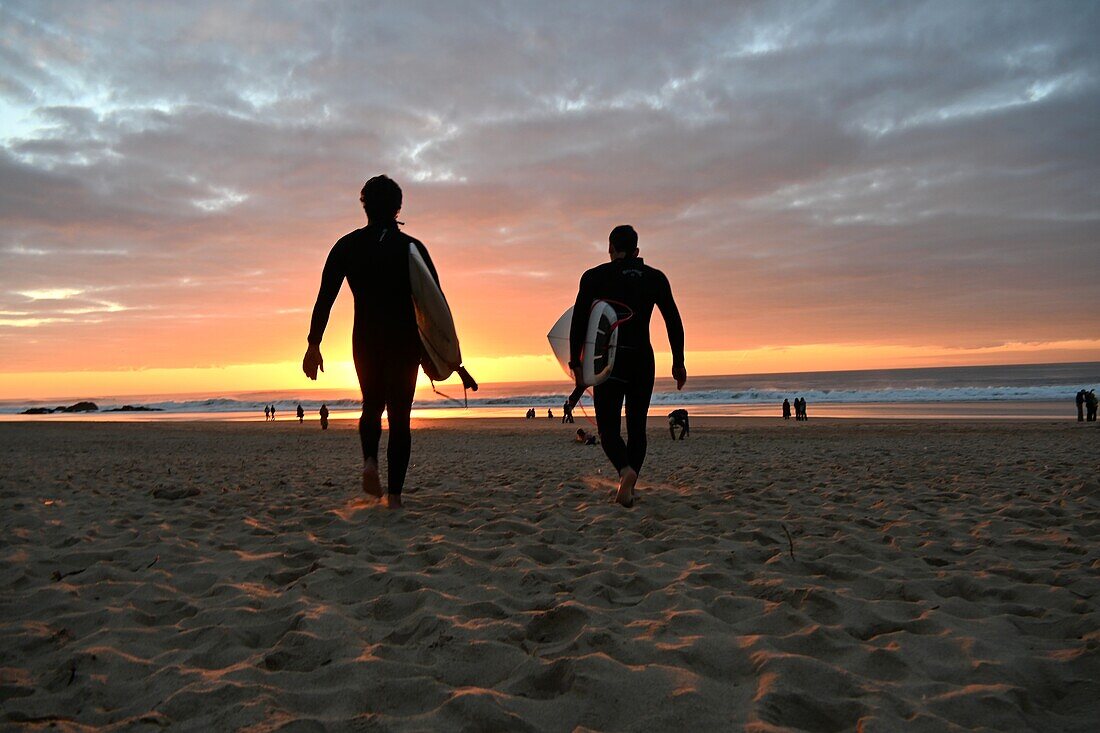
(464, 401)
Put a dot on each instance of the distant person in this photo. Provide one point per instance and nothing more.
(550, 413)
(567, 413)
(1090, 404)
(531, 414)
(273, 412)
(267, 413)
(584, 438)
(301, 414)
(1081, 405)
(786, 409)
(385, 341)
(324, 416)
(678, 418)
(634, 288)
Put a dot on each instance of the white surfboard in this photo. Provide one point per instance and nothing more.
(442, 355)
(600, 344)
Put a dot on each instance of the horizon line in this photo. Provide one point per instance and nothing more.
(307, 390)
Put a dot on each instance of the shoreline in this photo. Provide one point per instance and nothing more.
(991, 410)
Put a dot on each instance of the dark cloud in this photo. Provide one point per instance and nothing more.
(919, 174)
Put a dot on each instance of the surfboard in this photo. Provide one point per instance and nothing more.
(600, 344)
(442, 354)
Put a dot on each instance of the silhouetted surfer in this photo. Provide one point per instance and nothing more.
(679, 418)
(634, 287)
(384, 339)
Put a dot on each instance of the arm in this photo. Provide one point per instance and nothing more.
(332, 277)
(579, 325)
(667, 305)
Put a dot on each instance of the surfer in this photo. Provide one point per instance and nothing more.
(634, 288)
(584, 438)
(385, 341)
(679, 418)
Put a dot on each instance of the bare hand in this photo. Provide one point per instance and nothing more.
(313, 361)
(680, 374)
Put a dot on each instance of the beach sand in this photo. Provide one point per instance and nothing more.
(229, 576)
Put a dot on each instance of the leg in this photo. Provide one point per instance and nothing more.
(607, 398)
(370, 422)
(686, 430)
(638, 394)
(401, 388)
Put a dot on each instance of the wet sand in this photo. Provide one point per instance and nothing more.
(827, 576)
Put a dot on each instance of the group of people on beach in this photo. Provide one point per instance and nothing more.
(799, 409)
(269, 414)
(386, 347)
(1086, 406)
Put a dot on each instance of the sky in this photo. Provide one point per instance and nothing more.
(827, 185)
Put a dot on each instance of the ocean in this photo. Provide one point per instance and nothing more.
(1027, 391)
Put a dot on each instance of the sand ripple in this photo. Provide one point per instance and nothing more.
(820, 577)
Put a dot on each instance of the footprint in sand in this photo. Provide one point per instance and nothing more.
(558, 624)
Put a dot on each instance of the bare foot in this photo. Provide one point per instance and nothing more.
(371, 483)
(625, 494)
(393, 501)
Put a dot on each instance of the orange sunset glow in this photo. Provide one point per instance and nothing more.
(164, 224)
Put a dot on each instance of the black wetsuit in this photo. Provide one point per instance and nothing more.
(633, 288)
(385, 343)
(679, 417)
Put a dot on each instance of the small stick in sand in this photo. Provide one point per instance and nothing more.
(58, 575)
(790, 542)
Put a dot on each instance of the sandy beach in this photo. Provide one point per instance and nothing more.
(829, 576)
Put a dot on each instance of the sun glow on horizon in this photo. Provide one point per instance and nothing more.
(340, 373)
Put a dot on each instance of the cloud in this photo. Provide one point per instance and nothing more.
(916, 174)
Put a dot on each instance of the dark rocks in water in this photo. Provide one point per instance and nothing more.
(78, 407)
(135, 408)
